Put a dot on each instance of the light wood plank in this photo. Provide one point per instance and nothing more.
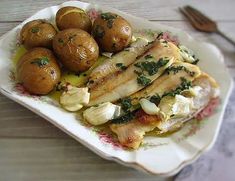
(36, 159)
(151, 9)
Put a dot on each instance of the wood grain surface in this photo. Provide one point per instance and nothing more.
(33, 149)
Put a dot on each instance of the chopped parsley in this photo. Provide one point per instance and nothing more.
(176, 69)
(148, 56)
(110, 24)
(124, 118)
(155, 99)
(109, 17)
(159, 35)
(121, 66)
(41, 61)
(185, 84)
(195, 62)
(142, 80)
(126, 104)
(98, 32)
(151, 67)
(35, 30)
(137, 72)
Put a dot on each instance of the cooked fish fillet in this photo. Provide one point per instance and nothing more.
(131, 134)
(125, 83)
(169, 81)
(209, 90)
(123, 58)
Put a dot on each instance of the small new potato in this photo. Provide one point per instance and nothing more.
(112, 32)
(73, 17)
(37, 33)
(38, 71)
(76, 49)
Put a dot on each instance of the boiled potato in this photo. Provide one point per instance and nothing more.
(38, 71)
(76, 49)
(73, 17)
(112, 32)
(37, 33)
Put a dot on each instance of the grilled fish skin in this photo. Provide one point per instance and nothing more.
(131, 134)
(209, 91)
(125, 83)
(123, 58)
(168, 82)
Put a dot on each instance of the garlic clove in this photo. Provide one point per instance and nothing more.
(73, 108)
(102, 113)
(74, 98)
(149, 107)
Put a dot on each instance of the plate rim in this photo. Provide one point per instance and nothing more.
(133, 164)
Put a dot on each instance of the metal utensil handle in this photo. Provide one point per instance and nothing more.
(226, 37)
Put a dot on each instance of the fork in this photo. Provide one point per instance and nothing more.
(202, 22)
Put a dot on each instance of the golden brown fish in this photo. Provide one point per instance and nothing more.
(131, 134)
(119, 61)
(170, 80)
(137, 76)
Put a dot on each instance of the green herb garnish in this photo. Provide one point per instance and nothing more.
(126, 104)
(142, 80)
(159, 35)
(195, 62)
(148, 56)
(35, 30)
(152, 67)
(137, 72)
(124, 67)
(121, 66)
(176, 69)
(110, 24)
(98, 32)
(155, 99)
(185, 84)
(41, 61)
(109, 17)
(124, 118)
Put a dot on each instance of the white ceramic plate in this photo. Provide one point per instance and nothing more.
(161, 156)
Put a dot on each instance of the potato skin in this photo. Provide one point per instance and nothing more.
(37, 33)
(112, 32)
(73, 17)
(76, 49)
(38, 76)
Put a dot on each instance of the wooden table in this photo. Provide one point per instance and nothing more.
(33, 149)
